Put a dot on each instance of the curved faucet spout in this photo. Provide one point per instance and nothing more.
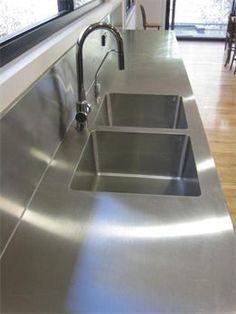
(83, 108)
(80, 43)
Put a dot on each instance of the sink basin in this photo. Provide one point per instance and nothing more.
(149, 111)
(140, 163)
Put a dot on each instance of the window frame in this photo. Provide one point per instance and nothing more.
(15, 46)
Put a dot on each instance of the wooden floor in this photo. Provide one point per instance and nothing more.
(215, 90)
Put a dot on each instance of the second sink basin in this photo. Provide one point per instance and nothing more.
(140, 163)
(148, 111)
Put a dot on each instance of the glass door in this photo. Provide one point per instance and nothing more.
(200, 18)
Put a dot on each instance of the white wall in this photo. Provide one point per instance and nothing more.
(117, 16)
(155, 11)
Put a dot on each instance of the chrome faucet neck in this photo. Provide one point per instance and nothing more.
(82, 103)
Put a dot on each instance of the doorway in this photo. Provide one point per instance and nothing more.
(200, 19)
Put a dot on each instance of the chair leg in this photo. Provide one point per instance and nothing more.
(227, 61)
(226, 43)
(233, 59)
(227, 58)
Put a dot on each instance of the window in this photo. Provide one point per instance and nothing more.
(200, 19)
(80, 3)
(17, 16)
(129, 4)
(25, 23)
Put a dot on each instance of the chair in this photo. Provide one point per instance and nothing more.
(229, 30)
(145, 23)
(231, 42)
(233, 60)
(234, 55)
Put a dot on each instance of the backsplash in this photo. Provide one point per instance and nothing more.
(32, 130)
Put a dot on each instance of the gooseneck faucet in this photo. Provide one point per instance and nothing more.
(82, 106)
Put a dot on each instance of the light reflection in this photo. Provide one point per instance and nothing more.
(66, 89)
(63, 228)
(70, 229)
(196, 228)
(59, 164)
(66, 228)
(206, 165)
(10, 207)
(189, 98)
(38, 154)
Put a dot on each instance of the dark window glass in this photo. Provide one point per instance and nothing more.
(24, 23)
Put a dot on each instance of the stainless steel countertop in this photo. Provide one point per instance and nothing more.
(90, 252)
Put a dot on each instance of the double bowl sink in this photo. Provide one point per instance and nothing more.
(126, 155)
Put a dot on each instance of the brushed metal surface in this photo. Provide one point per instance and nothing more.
(134, 163)
(32, 130)
(150, 111)
(30, 133)
(102, 252)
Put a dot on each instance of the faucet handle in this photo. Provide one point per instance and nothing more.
(83, 106)
(83, 109)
